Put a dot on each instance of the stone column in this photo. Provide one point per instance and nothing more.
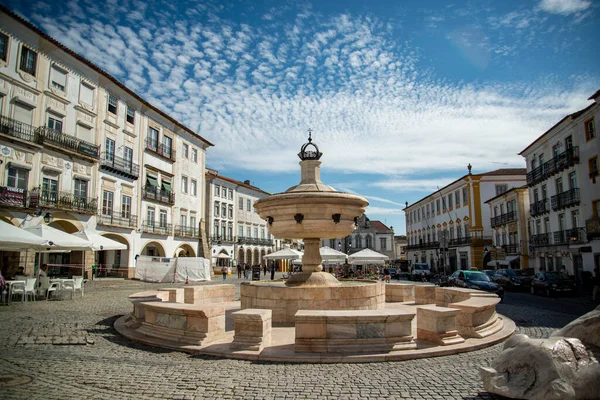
(311, 260)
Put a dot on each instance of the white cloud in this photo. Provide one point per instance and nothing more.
(564, 7)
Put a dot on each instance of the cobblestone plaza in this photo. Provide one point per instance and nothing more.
(69, 350)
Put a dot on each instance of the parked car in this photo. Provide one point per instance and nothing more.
(475, 280)
(512, 279)
(490, 273)
(551, 283)
(418, 270)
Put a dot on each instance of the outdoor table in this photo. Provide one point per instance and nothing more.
(10, 287)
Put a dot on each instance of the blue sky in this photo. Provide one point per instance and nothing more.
(401, 95)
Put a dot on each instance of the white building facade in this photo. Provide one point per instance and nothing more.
(564, 194)
(237, 233)
(450, 228)
(88, 153)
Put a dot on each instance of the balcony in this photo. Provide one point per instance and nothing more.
(592, 227)
(57, 139)
(119, 165)
(222, 239)
(155, 193)
(17, 198)
(254, 241)
(564, 160)
(570, 236)
(18, 130)
(68, 201)
(512, 248)
(463, 241)
(541, 239)
(115, 218)
(565, 199)
(503, 219)
(539, 207)
(157, 228)
(187, 231)
(160, 149)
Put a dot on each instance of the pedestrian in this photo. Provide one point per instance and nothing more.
(265, 269)
(246, 271)
(272, 268)
(239, 269)
(596, 292)
(224, 272)
(386, 275)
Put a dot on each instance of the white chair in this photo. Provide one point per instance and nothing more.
(30, 288)
(46, 287)
(17, 288)
(69, 285)
(78, 284)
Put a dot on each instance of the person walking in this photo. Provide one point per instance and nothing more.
(265, 269)
(224, 272)
(596, 292)
(246, 271)
(272, 268)
(239, 269)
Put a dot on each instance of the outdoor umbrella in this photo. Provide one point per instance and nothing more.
(59, 240)
(284, 254)
(15, 238)
(331, 256)
(367, 256)
(100, 242)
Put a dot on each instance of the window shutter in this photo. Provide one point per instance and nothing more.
(86, 94)
(59, 77)
(23, 113)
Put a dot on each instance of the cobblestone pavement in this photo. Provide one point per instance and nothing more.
(69, 350)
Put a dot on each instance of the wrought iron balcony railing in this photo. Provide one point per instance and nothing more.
(570, 236)
(255, 241)
(54, 138)
(565, 199)
(116, 218)
(160, 149)
(119, 165)
(460, 241)
(539, 207)
(503, 219)
(18, 130)
(541, 239)
(222, 239)
(512, 248)
(155, 193)
(68, 201)
(567, 158)
(157, 228)
(187, 231)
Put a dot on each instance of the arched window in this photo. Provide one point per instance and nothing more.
(369, 242)
(358, 241)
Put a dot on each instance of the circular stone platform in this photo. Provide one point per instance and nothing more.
(284, 301)
(283, 338)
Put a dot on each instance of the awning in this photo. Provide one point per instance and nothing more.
(166, 186)
(368, 256)
(59, 240)
(150, 180)
(100, 242)
(284, 254)
(506, 262)
(15, 238)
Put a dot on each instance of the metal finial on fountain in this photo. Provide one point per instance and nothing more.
(309, 154)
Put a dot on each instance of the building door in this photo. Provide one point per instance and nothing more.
(578, 268)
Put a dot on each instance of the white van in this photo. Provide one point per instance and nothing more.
(417, 270)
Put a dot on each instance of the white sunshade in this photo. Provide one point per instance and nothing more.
(329, 255)
(100, 242)
(59, 240)
(506, 262)
(15, 238)
(284, 254)
(367, 256)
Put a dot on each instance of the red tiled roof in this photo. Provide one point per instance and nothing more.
(99, 70)
(595, 95)
(508, 191)
(380, 226)
(506, 171)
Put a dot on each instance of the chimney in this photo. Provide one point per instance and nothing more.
(247, 182)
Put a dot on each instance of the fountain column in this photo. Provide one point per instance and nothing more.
(311, 260)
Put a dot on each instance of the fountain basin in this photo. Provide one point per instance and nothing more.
(284, 301)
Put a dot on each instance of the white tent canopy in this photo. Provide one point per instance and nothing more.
(367, 256)
(506, 262)
(284, 254)
(15, 238)
(59, 240)
(100, 242)
(329, 255)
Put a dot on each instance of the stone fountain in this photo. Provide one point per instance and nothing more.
(311, 211)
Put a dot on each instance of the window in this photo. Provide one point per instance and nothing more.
(457, 198)
(224, 192)
(217, 191)
(186, 150)
(167, 145)
(183, 220)
(163, 218)
(216, 228)
(223, 210)
(596, 208)
(194, 155)
(49, 190)
(383, 243)
(559, 186)
(501, 189)
(575, 219)
(437, 206)
(450, 201)
(80, 188)
(248, 232)
(248, 205)
(184, 184)
(465, 194)
(230, 194)
(561, 222)
(126, 207)
(256, 233)
(240, 231)
(3, 47)
(533, 163)
(593, 168)
(150, 215)
(193, 190)
(590, 129)
(153, 139)
(130, 115)
(58, 78)
(152, 182)
(223, 230)
(573, 180)
(22, 113)
(230, 231)
(217, 207)
(556, 150)
(443, 204)
(262, 233)
(109, 154)
(428, 211)
(107, 202)
(86, 94)
(569, 142)
(193, 223)
(112, 104)
(28, 60)
(544, 192)
(230, 211)
(128, 156)
(241, 203)
(17, 178)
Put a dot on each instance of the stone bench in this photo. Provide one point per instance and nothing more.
(353, 331)
(183, 323)
(424, 294)
(252, 329)
(438, 325)
(477, 317)
(399, 292)
(209, 294)
(175, 295)
(145, 297)
(447, 295)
